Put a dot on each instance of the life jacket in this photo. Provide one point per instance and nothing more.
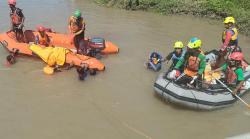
(16, 19)
(175, 57)
(231, 75)
(43, 40)
(155, 60)
(234, 39)
(192, 66)
(76, 24)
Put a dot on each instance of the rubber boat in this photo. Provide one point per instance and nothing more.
(63, 40)
(199, 99)
(7, 41)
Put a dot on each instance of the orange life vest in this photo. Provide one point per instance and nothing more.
(76, 25)
(155, 60)
(15, 18)
(43, 40)
(192, 66)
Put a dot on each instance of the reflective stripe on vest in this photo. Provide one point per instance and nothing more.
(233, 39)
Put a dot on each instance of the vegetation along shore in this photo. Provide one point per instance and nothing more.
(218, 9)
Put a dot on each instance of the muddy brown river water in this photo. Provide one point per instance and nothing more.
(120, 102)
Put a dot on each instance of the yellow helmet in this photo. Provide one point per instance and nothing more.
(178, 44)
(229, 19)
(48, 70)
(194, 43)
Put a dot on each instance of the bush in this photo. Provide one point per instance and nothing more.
(240, 9)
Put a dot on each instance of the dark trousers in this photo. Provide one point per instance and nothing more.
(18, 32)
(79, 43)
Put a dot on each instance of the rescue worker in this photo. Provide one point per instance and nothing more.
(193, 61)
(17, 20)
(233, 71)
(154, 62)
(42, 38)
(77, 30)
(230, 37)
(176, 55)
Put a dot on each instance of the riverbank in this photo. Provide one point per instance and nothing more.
(216, 9)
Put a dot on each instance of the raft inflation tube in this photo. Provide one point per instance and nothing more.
(196, 99)
(63, 40)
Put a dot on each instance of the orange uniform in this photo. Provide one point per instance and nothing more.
(43, 40)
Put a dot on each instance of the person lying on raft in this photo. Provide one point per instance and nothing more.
(233, 71)
(193, 61)
(154, 61)
(58, 58)
(42, 38)
(176, 55)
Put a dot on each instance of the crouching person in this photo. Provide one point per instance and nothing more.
(233, 71)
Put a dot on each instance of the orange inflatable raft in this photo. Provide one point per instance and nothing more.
(64, 40)
(7, 41)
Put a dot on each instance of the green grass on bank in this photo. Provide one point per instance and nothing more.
(240, 9)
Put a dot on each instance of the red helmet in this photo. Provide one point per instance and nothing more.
(12, 2)
(236, 56)
(40, 28)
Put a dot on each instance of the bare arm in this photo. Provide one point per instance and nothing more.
(238, 87)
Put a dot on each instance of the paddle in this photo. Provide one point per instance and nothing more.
(232, 92)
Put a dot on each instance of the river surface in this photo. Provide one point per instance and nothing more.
(120, 102)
